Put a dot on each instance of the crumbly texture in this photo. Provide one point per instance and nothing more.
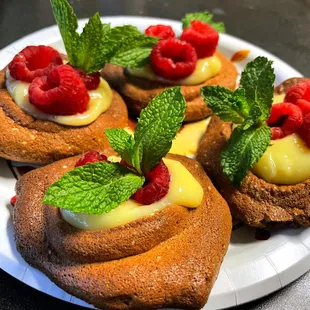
(256, 202)
(138, 92)
(170, 259)
(26, 139)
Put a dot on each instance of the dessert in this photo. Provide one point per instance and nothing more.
(191, 61)
(54, 106)
(161, 248)
(256, 152)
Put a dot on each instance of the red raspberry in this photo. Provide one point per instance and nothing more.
(91, 81)
(62, 92)
(303, 105)
(202, 37)
(156, 187)
(34, 61)
(304, 130)
(276, 133)
(285, 116)
(298, 91)
(90, 157)
(160, 31)
(173, 59)
(13, 200)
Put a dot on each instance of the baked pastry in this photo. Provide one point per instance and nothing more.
(51, 107)
(174, 62)
(167, 256)
(269, 194)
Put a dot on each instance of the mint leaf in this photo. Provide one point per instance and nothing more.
(67, 23)
(225, 103)
(205, 17)
(94, 188)
(158, 125)
(243, 150)
(257, 80)
(122, 143)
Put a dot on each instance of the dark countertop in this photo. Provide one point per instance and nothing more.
(279, 26)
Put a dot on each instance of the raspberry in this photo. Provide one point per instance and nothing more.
(202, 37)
(276, 133)
(298, 91)
(173, 59)
(157, 185)
(13, 200)
(285, 116)
(304, 130)
(160, 31)
(62, 92)
(91, 81)
(303, 105)
(34, 61)
(90, 157)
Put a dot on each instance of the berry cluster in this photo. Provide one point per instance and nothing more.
(157, 180)
(292, 115)
(54, 88)
(173, 58)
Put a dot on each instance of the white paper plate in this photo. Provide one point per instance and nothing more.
(251, 268)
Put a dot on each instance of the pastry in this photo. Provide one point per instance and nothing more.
(130, 257)
(52, 107)
(269, 194)
(201, 65)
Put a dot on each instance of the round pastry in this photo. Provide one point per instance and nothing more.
(276, 190)
(191, 62)
(169, 259)
(26, 138)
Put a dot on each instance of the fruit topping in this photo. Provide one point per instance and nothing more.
(202, 37)
(91, 81)
(286, 117)
(303, 105)
(34, 61)
(160, 31)
(173, 59)
(90, 157)
(61, 92)
(13, 200)
(156, 186)
(298, 91)
(304, 130)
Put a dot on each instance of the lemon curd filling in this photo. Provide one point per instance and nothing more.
(205, 69)
(286, 161)
(100, 101)
(188, 138)
(184, 190)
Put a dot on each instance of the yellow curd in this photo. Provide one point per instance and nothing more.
(100, 101)
(184, 190)
(205, 69)
(286, 161)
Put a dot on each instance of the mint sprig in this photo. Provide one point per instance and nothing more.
(157, 126)
(99, 43)
(249, 108)
(93, 188)
(205, 17)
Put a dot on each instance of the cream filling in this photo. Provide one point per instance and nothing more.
(286, 161)
(205, 69)
(184, 190)
(100, 101)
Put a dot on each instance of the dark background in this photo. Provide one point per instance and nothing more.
(280, 26)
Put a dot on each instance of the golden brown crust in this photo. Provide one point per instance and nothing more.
(30, 140)
(255, 202)
(176, 271)
(138, 92)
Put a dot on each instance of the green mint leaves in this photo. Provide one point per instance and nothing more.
(249, 108)
(205, 17)
(99, 43)
(93, 188)
(157, 126)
